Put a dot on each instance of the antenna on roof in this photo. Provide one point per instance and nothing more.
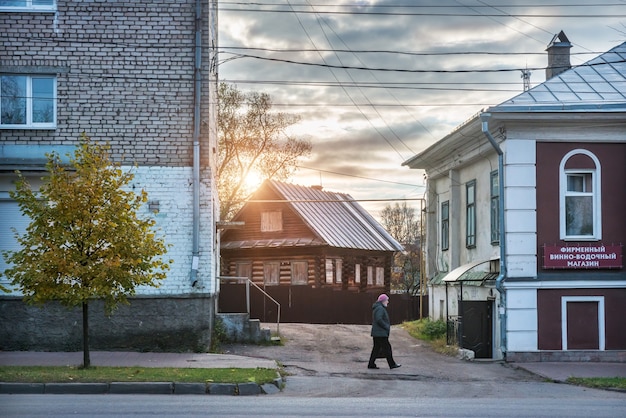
(526, 78)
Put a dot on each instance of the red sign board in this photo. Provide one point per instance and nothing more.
(584, 256)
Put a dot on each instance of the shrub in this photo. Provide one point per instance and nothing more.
(434, 329)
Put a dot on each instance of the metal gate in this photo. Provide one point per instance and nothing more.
(477, 328)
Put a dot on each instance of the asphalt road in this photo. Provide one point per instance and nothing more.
(328, 377)
(578, 403)
(337, 355)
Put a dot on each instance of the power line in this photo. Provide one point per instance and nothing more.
(358, 177)
(431, 14)
(406, 70)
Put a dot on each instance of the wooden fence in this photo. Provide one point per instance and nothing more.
(316, 306)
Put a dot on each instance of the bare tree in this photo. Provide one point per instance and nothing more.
(253, 140)
(401, 222)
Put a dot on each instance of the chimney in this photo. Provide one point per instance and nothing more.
(558, 55)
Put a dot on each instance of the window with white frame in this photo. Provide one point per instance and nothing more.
(28, 5)
(380, 276)
(334, 268)
(338, 270)
(580, 206)
(357, 273)
(445, 225)
(470, 214)
(27, 101)
(494, 181)
(370, 275)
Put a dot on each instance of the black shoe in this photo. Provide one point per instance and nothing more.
(372, 366)
(395, 366)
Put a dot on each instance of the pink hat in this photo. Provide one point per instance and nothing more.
(382, 298)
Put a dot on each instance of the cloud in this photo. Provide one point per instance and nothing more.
(364, 123)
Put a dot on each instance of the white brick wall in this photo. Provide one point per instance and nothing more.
(172, 187)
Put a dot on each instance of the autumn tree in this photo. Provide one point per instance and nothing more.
(401, 222)
(253, 141)
(85, 240)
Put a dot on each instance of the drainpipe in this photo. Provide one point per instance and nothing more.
(195, 255)
(484, 117)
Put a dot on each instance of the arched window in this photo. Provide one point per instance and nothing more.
(580, 194)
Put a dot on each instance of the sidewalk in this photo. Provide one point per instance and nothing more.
(556, 371)
(132, 359)
(561, 371)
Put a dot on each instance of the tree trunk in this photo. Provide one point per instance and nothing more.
(86, 360)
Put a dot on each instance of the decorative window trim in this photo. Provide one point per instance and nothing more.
(29, 103)
(29, 6)
(596, 193)
(470, 214)
(445, 225)
(495, 206)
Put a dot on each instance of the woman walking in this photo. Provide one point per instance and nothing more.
(380, 333)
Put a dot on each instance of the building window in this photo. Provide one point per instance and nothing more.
(380, 276)
(357, 273)
(495, 207)
(271, 273)
(271, 221)
(299, 272)
(28, 5)
(445, 225)
(338, 269)
(370, 275)
(244, 269)
(333, 270)
(329, 271)
(580, 210)
(470, 214)
(27, 101)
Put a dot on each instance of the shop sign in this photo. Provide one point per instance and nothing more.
(583, 256)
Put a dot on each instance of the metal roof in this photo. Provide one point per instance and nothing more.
(597, 85)
(336, 218)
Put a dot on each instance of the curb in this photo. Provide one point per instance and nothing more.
(144, 388)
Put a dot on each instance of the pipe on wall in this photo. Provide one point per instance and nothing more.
(195, 255)
(484, 117)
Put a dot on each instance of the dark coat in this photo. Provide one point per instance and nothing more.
(380, 320)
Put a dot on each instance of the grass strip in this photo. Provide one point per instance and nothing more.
(599, 382)
(73, 374)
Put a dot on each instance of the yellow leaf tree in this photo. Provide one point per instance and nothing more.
(85, 240)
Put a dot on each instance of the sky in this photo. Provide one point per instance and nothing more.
(376, 82)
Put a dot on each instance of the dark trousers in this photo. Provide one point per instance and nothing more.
(381, 348)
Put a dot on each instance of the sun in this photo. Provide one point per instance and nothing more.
(253, 180)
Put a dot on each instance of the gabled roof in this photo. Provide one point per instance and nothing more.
(335, 218)
(597, 85)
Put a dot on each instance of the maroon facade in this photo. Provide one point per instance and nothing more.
(583, 327)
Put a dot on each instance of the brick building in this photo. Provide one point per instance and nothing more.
(138, 75)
